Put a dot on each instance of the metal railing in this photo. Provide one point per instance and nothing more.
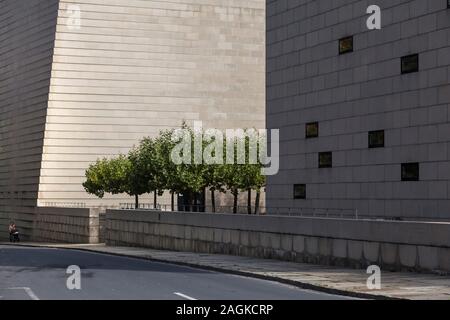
(143, 206)
(64, 204)
(330, 213)
(188, 208)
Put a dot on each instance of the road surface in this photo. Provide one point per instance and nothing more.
(40, 274)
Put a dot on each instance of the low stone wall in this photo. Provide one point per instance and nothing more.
(4, 223)
(415, 246)
(67, 225)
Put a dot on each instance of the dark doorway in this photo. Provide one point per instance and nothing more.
(191, 202)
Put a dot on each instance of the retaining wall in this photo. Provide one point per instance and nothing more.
(67, 225)
(393, 245)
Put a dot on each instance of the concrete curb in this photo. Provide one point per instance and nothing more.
(298, 284)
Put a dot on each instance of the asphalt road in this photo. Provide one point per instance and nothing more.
(40, 274)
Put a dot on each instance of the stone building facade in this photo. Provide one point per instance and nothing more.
(364, 114)
(83, 79)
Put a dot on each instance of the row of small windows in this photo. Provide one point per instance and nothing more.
(376, 138)
(409, 63)
(409, 172)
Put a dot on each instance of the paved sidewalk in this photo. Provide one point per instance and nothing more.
(400, 285)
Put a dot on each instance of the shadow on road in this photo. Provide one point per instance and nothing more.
(39, 259)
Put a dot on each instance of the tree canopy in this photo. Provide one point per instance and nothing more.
(150, 168)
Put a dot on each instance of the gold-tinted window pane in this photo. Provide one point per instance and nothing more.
(312, 130)
(346, 45)
(325, 160)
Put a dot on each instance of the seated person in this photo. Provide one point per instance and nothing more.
(12, 228)
(13, 233)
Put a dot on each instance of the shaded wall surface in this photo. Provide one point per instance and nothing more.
(27, 35)
(357, 92)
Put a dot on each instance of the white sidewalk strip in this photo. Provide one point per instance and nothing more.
(184, 296)
(28, 291)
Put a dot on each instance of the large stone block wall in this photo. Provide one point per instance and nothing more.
(135, 67)
(27, 37)
(66, 225)
(69, 94)
(352, 94)
(354, 243)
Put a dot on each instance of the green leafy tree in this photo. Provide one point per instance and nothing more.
(214, 151)
(231, 174)
(149, 167)
(247, 183)
(214, 181)
(232, 181)
(260, 183)
(137, 183)
(148, 160)
(251, 173)
(168, 168)
(95, 178)
(183, 174)
(114, 176)
(193, 174)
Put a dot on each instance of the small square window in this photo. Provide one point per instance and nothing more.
(410, 171)
(325, 160)
(410, 63)
(312, 130)
(376, 139)
(299, 191)
(345, 45)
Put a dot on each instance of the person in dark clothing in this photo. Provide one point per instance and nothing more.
(13, 233)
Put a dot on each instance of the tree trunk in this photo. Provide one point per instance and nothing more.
(196, 207)
(136, 201)
(204, 200)
(213, 200)
(194, 202)
(172, 201)
(257, 200)
(155, 199)
(188, 202)
(235, 201)
(249, 201)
